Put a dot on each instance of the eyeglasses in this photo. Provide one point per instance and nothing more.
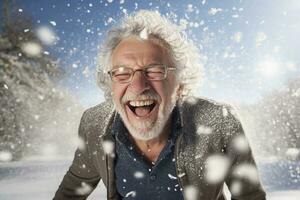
(154, 72)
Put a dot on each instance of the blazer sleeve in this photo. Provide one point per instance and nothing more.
(82, 176)
(243, 178)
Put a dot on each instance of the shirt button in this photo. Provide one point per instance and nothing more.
(152, 178)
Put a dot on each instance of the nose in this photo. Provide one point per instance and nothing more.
(139, 83)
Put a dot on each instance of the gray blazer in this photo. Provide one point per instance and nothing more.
(192, 148)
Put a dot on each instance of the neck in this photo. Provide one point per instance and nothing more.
(149, 144)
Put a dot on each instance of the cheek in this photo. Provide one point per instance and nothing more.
(118, 92)
(165, 90)
(171, 84)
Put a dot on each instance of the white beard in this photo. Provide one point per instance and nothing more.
(146, 130)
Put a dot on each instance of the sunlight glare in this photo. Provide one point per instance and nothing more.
(269, 68)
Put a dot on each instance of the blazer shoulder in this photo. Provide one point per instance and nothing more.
(100, 111)
(205, 105)
(97, 118)
(207, 111)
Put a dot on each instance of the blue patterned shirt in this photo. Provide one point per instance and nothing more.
(136, 178)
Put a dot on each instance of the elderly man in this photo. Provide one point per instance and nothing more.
(150, 140)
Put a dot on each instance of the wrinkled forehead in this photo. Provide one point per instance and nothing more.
(146, 51)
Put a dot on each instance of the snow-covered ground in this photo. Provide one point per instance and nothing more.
(36, 180)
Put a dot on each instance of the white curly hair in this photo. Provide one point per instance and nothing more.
(146, 24)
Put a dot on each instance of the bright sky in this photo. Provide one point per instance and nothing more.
(251, 46)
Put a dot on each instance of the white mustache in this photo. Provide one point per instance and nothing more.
(129, 96)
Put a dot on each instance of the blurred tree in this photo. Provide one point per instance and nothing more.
(30, 96)
(276, 125)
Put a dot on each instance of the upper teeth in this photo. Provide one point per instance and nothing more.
(141, 103)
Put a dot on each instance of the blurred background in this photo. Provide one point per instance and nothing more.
(49, 53)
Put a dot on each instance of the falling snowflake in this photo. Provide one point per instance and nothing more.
(260, 38)
(74, 65)
(108, 147)
(131, 194)
(5, 156)
(190, 192)
(240, 144)
(237, 37)
(79, 142)
(46, 35)
(53, 23)
(31, 49)
(139, 175)
(292, 153)
(236, 188)
(110, 20)
(181, 175)
(196, 24)
(204, 130)
(172, 177)
(190, 8)
(247, 171)
(216, 168)
(213, 11)
(84, 189)
(296, 93)
(36, 117)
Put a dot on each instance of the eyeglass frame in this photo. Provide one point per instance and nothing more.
(143, 70)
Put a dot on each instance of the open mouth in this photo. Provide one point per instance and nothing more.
(141, 108)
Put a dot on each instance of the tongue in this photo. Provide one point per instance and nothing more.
(142, 111)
